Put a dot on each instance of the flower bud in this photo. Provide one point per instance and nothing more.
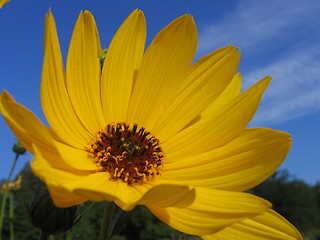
(18, 148)
(102, 56)
(50, 219)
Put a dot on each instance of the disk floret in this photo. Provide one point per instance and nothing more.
(130, 154)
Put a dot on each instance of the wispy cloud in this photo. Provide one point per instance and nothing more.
(295, 89)
(278, 38)
(255, 23)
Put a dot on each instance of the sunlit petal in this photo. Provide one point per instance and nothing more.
(211, 211)
(164, 63)
(83, 73)
(122, 62)
(25, 125)
(266, 226)
(54, 96)
(207, 80)
(239, 165)
(217, 129)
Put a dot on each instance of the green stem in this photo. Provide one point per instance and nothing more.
(11, 217)
(105, 233)
(43, 235)
(3, 204)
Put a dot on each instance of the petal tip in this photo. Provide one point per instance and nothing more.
(137, 12)
(49, 14)
(87, 13)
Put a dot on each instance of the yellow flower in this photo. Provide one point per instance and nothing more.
(3, 2)
(151, 128)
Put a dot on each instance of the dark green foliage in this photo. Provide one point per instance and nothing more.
(120, 220)
(89, 225)
(316, 192)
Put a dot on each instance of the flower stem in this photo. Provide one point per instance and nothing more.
(4, 199)
(105, 233)
(11, 217)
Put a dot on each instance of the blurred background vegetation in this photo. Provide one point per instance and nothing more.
(294, 199)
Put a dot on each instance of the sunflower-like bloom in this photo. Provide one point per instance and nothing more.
(3, 2)
(152, 128)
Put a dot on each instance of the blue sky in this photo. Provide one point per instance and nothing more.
(280, 38)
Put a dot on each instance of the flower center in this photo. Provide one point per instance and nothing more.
(129, 154)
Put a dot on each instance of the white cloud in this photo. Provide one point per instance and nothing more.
(295, 89)
(254, 23)
(287, 109)
(281, 39)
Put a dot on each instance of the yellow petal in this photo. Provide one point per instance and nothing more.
(239, 165)
(121, 64)
(54, 178)
(266, 226)
(99, 187)
(24, 124)
(196, 70)
(83, 73)
(169, 195)
(229, 93)
(204, 64)
(211, 211)
(208, 81)
(75, 158)
(63, 198)
(88, 185)
(167, 58)
(51, 158)
(3, 2)
(217, 129)
(54, 96)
